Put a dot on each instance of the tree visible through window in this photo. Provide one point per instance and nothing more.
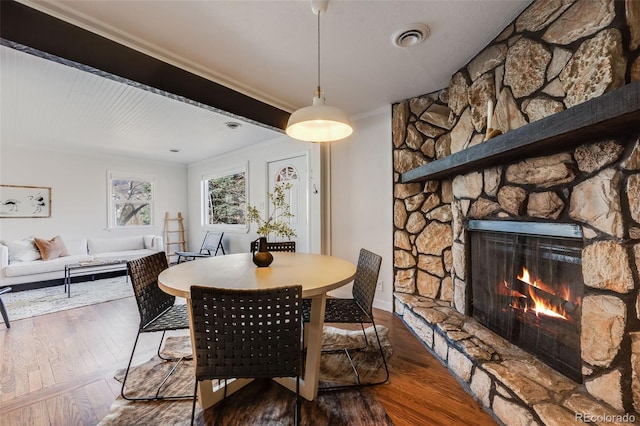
(226, 199)
(131, 201)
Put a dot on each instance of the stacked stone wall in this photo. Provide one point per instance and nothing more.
(555, 55)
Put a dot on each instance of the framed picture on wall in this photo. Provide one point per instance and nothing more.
(25, 201)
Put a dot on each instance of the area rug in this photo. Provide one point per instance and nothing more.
(262, 402)
(30, 303)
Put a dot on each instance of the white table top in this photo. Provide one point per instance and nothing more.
(316, 273)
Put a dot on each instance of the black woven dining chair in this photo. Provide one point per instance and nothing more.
(357, 310)
(157, 313)
(286, 246)
(3, 310)
(247, 334)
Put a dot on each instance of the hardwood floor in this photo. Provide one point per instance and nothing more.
(421, 391)
(57, 369)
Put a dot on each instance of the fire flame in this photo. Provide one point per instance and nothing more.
(525, 277)
(542, 306)
(508, 291)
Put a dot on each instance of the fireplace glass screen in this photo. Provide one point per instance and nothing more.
(526, 285)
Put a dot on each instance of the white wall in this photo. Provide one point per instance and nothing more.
(78, 184)
(257, 158)
(361, 198)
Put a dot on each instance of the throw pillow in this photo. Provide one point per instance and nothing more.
(51, 249)
(22, 250)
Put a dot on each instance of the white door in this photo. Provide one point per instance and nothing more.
(294, 171)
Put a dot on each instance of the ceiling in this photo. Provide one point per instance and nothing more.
(265, 49)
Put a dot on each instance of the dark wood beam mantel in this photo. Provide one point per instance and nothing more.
(614, 113)
(29, 27)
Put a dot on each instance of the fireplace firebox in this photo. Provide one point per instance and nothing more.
(527, 286)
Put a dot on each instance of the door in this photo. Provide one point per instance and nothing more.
(295, 172)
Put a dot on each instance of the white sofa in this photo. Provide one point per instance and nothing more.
(80, 249)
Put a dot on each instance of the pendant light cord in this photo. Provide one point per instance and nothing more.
(318, 92)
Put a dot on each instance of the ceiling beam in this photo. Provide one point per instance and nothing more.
(29, 27)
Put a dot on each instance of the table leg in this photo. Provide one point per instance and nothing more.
(313, 339)
(67, 281)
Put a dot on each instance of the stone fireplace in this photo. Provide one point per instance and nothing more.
(601, 346)
(526, 285)
(564, 81)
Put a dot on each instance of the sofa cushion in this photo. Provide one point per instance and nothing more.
(51, 249)
(39, 267)
(126, 255)
(106, 245)
(75, 244)
(23, 250)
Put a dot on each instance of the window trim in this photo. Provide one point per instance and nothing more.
(111, 217)
(232, 228)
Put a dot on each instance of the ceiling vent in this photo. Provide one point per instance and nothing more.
(410, 35)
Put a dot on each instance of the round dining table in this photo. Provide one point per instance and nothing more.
(317, 274)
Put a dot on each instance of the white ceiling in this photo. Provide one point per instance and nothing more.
(263, 48)
(48, 105)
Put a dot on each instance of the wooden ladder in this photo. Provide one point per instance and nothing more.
(174, 235)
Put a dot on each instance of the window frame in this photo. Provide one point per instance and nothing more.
(224, 227)
(111, 205)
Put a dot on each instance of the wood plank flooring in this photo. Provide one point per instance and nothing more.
(57, 369)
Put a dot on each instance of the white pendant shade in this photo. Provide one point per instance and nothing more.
(319, 123)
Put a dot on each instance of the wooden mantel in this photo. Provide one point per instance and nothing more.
(613, 113)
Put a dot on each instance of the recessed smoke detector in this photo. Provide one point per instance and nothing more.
(410, 35)
(232, 124)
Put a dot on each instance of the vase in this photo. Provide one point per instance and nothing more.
(262, 257)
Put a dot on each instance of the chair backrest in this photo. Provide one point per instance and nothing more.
(151, 300)
(366, 280)
(246, 333)
(211, 242)
(288, 246)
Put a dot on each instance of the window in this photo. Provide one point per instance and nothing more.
(130, 200)
(287, 174)
(225, 199)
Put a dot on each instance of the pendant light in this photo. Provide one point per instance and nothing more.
(319, 122)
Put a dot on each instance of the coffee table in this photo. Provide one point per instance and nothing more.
(96, 266)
